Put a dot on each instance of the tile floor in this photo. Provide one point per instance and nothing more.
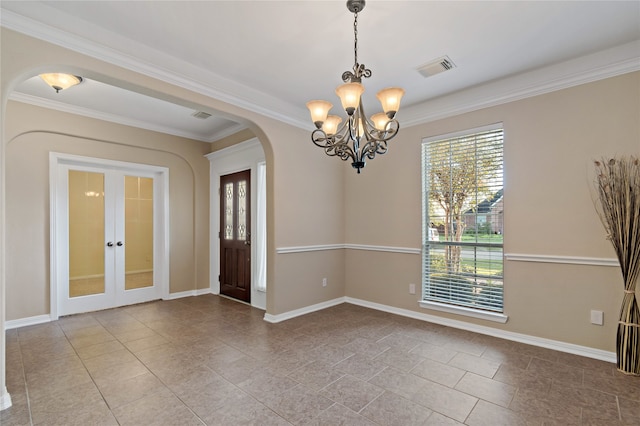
(209, 360)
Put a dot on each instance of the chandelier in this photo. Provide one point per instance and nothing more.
(359, 137)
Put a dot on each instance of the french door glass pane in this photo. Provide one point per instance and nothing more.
(138, 232)
(242, 210)
(228, 211)
(86, 233)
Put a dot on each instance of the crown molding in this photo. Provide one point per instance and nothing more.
(600, 65)
(90, 113)
(239, 148)
(226, 132)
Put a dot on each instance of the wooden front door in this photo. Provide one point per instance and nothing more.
(235, 235)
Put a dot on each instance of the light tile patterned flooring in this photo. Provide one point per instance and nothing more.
(209, 360)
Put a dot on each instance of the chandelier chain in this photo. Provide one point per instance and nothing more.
(355, 38)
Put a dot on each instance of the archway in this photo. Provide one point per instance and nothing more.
(37, 61)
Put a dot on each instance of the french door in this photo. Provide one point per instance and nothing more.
(107, 231)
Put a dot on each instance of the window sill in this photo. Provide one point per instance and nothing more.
(469, 312)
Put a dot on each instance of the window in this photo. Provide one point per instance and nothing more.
(463, 230)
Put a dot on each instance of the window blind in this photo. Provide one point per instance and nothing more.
(463, 219)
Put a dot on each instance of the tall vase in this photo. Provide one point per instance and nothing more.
(628, 340)
(618, 187)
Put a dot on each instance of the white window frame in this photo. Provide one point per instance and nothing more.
(500, 317)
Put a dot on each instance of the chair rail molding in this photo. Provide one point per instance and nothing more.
(367, 247)
(570, 260)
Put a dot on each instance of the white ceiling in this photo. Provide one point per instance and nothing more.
(273, 56)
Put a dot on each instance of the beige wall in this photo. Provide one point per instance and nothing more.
(550, 143)
(308, 208)
(32, 133)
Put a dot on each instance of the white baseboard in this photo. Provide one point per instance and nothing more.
(5, 400)
(490, 331)
(201, 291)
(480, 329)
(41, 319)
(188, 293)
(23, 322)
(302, 311)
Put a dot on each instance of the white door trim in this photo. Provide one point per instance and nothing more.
(243, 156)
(58, 224)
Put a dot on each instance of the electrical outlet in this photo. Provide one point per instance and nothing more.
(324, 282)
(597, 317)
(412, 288)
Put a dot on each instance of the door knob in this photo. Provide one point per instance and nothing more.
(119, 243)
(109, 244)
(247, 242)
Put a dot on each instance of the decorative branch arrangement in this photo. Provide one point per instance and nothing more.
(618, 188)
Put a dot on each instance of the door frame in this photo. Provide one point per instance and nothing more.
(243, 156)
(57, 224)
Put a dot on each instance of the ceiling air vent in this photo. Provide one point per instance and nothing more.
(201, 115)
(436, 66)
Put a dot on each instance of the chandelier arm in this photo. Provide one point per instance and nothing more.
(353, 128)
(391, 130)
(320, 139)
(342, 150)
(382, 148)
(373, 147)
(370, 130)
(342, 142)
(331, 146)
(319, 135)
(353, 135)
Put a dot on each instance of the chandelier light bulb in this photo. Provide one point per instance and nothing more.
(360, 127)
(349, 94)
(319, 111)
(380, 121)
(390, 100)
(331, 124)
